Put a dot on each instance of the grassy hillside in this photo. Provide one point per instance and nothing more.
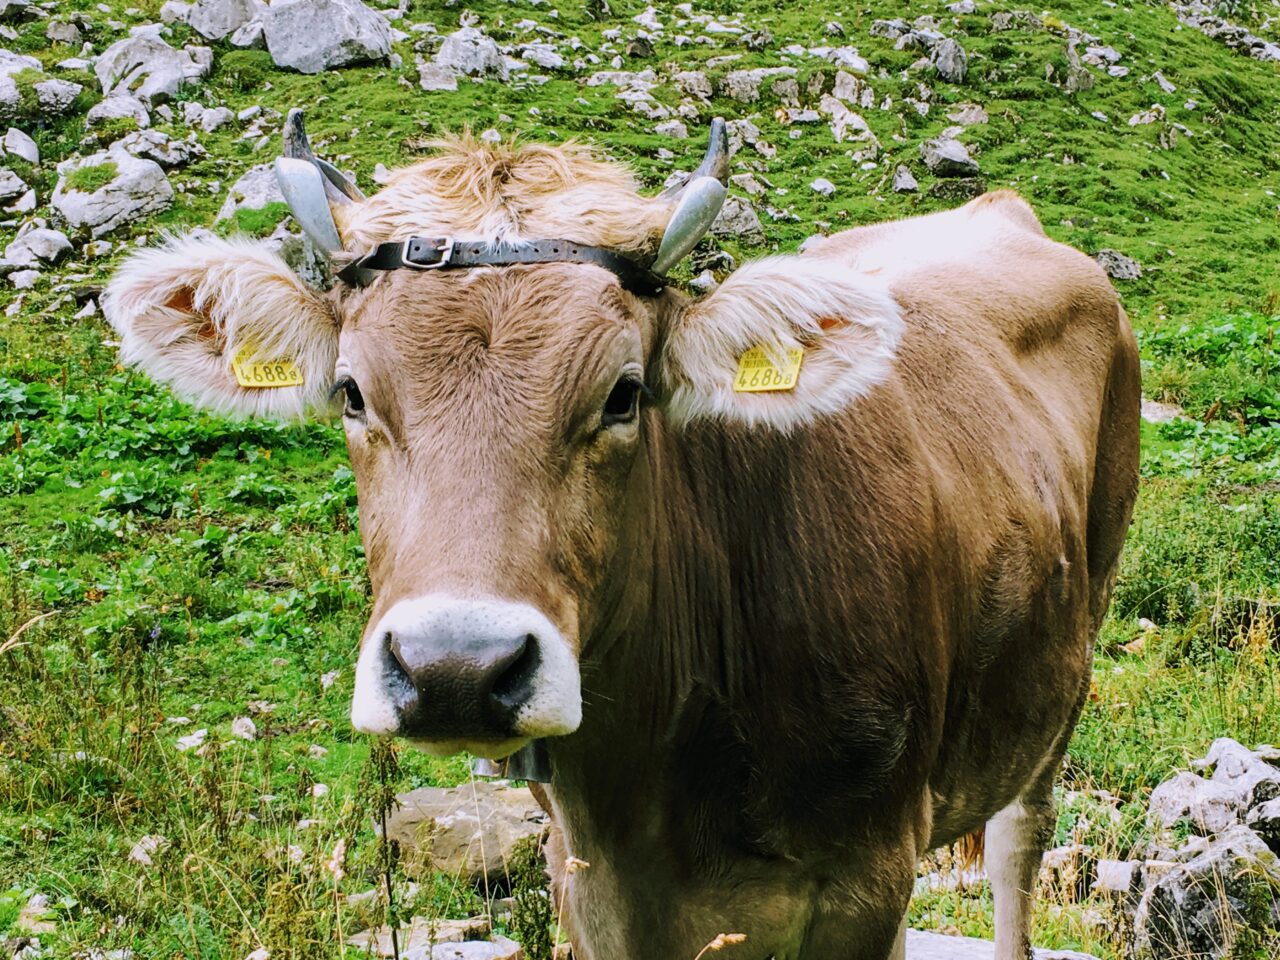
(165, 571)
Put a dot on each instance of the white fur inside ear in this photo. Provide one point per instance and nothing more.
(847, 323)
(184, 309)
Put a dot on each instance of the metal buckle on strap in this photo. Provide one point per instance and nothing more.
(446, 254)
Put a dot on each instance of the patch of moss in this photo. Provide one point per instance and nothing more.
(89, 179)
(26, 80)
(259, 223)
(111, 130)
(244, 70)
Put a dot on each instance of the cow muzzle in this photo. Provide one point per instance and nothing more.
(451, 674)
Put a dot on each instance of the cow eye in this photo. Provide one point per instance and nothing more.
(623, 402)
(351, 393)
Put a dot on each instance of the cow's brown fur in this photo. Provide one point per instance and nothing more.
(807, 658)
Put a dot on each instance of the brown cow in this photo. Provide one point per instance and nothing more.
(776, 645)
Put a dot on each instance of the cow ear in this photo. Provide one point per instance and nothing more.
(227, 325)
(842, 327)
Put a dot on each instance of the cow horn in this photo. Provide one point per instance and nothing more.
(714, 164)
(699, 204)
(312, 187)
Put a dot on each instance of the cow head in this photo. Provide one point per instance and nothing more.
(497, 417)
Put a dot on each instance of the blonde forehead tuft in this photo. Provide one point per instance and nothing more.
(508, 192)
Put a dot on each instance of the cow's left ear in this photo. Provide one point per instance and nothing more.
(781, 342)
(227, 325)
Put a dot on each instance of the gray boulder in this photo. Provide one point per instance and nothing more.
(314, 35)
(162, 148)
(149, 69)
(1117, 265)
(36, 246)
(1264, 820)
(1195, 908)
(137, 189)
(215, 19)
(950, 61)
(120, 106)
(738, 219)
(20, 145)
(255, 190)
(11, 185)
(472, 831)
(946, 157)
(1210, 807)
(937, 946)
(53, 97)
(468, 52)
(693, 83)
(904, 181)
(251, 36)
(744, 85)
(59, 31)
(433, 77)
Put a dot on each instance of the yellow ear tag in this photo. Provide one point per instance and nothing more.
(264, 374)
(757, 374)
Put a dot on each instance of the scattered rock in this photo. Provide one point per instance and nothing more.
(251, 36)
(472, 830)
(744, 85)
(59, 31)
(25, 279)
(958, 188)
(1194, 908)
(193, 740)
(137, 188)
(162, 148)
(739, 220)
(11, 185)
(693, 83)
(174, 11)
(1264, 820)
(145, 849)
(20, 145)
(672, 128)
(1153, 411)
(468, 52)
(420, 935)
(938, 946)
(215, 118)
(118, 106)
(255, 190)
(146, 67)
(245, 729)
(314, 35)
(1117, 265)
(215, 19)
(823, 186)
(432, 76)
(904, 181)
(950, 61)
(38, 245)
(946, 157)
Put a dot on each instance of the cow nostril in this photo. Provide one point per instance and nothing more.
(513, 686)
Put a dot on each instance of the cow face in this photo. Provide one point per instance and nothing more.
(497, 421)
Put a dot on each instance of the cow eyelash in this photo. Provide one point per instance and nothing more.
(354, 400)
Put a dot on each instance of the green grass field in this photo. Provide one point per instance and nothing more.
(163, 571)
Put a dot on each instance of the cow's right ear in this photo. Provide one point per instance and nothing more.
(227, 325)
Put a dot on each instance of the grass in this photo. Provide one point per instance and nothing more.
(183, 566)
(90, 178)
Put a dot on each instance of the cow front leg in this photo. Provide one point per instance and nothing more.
(899, 951)
(1015, 843)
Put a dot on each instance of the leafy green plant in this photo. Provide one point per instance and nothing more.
(87, 179)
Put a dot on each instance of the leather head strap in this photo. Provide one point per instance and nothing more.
(445, 253)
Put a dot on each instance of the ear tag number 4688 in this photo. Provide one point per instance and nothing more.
(757, 373)
(257, 374)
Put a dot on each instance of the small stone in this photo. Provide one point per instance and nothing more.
(11, 185)
(672, 128)
(215, 119)
(962, 7)
(250, 36)
(904, 181)
(946, 157)
(59, 31)
(469, 52)
(39, 245)
(950, 61)
(215, 19)
(1115, 876)
(244, 728)
(738, 219)
(823, 186)
(118, 107)
(1117, 265)
(24, 279)
(145, 849)
(433, 77)
(193, 740)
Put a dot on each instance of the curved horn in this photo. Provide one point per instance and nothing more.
(297, 146)
(700, 202)
(715, 163)
(303, 187)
